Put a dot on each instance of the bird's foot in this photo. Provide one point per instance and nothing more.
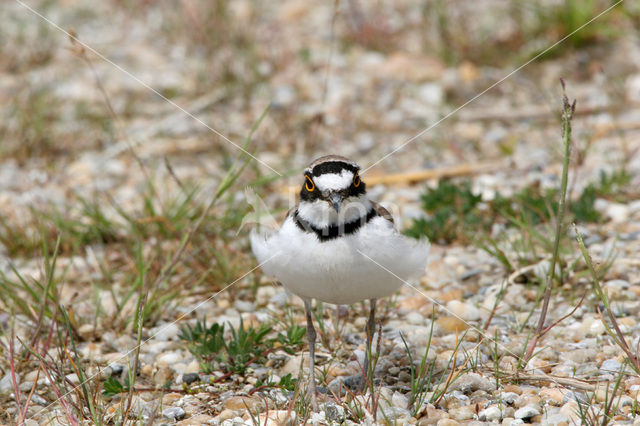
(314, 395)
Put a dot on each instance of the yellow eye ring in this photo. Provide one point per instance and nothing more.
(356, 180)
(309, 185)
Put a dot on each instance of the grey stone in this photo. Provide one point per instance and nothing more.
(555, 419)
(334, 413)
(354, 382)
(244, 306)
(165, 332)
(575, 396)
(6, 384)
(189, 378)
(526, 412)
(471, 382)
(353, 339)
(279, 299)
(37, 399)
(175, 413)
(509, 397)
(610, 365)
(116, 369)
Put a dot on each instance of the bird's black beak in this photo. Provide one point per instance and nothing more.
(336, 200)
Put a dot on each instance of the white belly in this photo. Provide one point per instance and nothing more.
(343, 270)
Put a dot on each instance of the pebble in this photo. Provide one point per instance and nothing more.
(466, 412)
(116, 369)
(579, 356)
(293, 363)
(6, 384)
(174, 413)
(556, 419)
(509, 397)
(573, 396)
(527, 412)
(165, 332)
(244, 306)
(226, 414)
(169, 358)
(399, 400)
(415, 318)
(553, 396)
(447, 422)
(333, 413)
(37, 399)
(471, 382)
(611, 365)
(492, 413)
(451, 324)
(464, 311)
(618, 213)
(200, 419)
(192, 368)
(189, 378)
(278, 418)
(162, 376)
(242, 403)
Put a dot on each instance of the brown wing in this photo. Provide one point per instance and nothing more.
(291, 212)
(382, 212)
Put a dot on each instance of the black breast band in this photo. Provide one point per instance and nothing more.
(334, 231)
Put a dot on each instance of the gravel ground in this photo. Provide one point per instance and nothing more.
(79, 130)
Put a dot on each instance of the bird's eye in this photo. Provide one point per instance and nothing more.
(309, 185)
(356, 180)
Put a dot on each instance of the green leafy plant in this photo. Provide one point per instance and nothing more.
(295, 336)
(452, 207)
(455, 213)
(246, 345)
(112, 387)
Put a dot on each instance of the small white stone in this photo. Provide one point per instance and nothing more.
(265, 293)
(611, 365)
(430, 93)
(526, 412)
(632, 86)
(471, 382)
(491, 413)
(277, 417)
(415, 318)
(166, 332)
(466, 311)
(634, 207)
(193, 367)
(244, 306)
(617, 212)
(169, 358)
(73, 378)
(399, 400)
(6, 384)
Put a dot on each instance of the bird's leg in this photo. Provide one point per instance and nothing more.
(371, 329)
(311, 337)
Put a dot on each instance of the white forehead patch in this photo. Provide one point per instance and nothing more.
(334, 181)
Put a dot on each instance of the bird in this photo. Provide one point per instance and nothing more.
(337, 246)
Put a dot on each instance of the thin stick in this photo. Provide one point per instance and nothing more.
(409, 178)
(567, 114)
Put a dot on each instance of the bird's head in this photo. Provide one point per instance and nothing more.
(332, 179)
